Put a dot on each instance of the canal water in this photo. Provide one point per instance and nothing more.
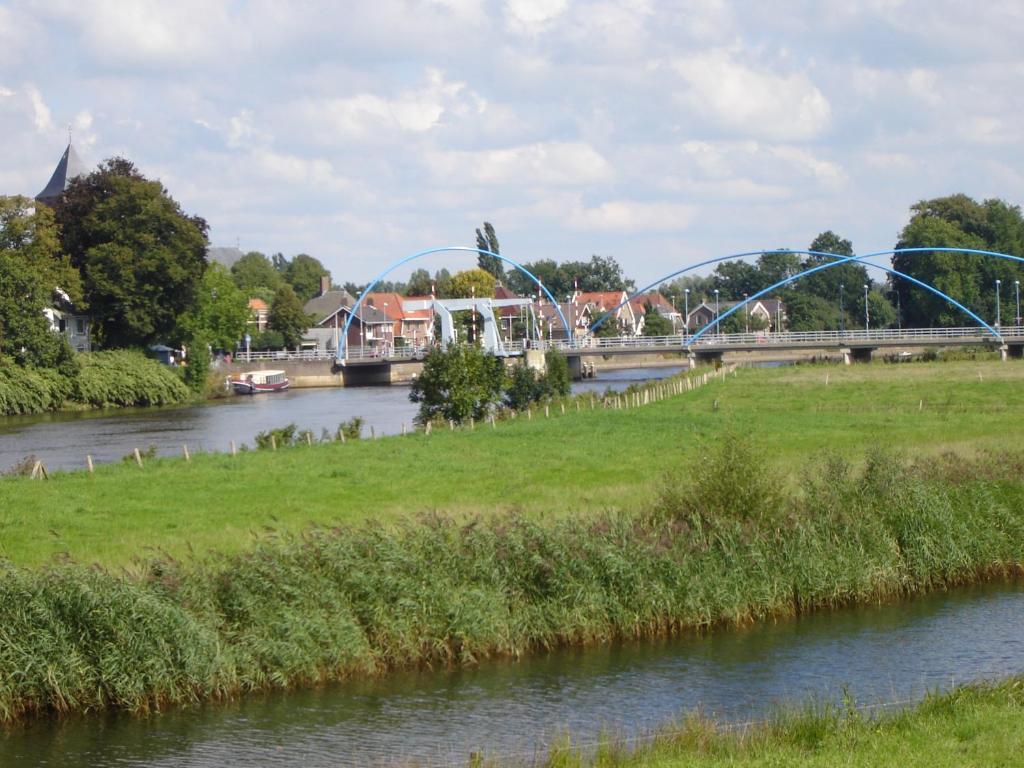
(892, 653)
(62, 440)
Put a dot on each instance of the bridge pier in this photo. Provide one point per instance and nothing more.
(575, 366)
(1016, 351)
(366, 375)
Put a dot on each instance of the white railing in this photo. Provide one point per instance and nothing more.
(886, 336)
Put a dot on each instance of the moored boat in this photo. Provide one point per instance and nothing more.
(257, 382)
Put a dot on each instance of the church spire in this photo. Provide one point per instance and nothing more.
(69, 167)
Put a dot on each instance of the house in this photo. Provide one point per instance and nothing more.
(578, 315)
(660, 304)
(408, 327)
(370, 328)
(772, 312)
(63, 319)
(259, 314)
(604, 301)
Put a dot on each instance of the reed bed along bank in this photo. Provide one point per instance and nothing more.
(976, 724)
(724, 544)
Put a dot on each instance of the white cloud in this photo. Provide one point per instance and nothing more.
(628, 216)
(5, 92)
(752, 101)
(530, 15)
(40, 112)
(367, 116)
(543, 163)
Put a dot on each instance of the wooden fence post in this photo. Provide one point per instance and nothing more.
(138, 458)
(184, 450)
(88, 463)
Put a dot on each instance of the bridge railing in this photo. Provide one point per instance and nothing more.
(676, 342)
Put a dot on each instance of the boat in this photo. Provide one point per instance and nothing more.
(257, 382)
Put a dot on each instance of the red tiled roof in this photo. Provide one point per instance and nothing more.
(258, 305)
(391, 305)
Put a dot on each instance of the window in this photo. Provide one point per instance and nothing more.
(80, 325)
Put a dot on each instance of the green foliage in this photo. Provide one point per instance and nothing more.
(420, 284)
(303, 274)
(457, 383)
(197, 365)
(352, 429)
(488, 241)
(256, 276)
(557, 379)
(287, 316)
(729, 548)
(26, 389)
(600, 273)
(126, 378)
(280, 437)
(220, 313)
(523, 388)
(31, 270)
(269, 339)
(655, 323)
(471, 282)
(958, 221)
(141, 258)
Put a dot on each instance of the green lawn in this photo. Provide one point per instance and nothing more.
(974, 726)
(567, 465)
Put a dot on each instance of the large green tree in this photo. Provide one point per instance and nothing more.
(220, 312)
(141, 257)
(959, 221)
(487, 240)
(303, 273)
(256, 276)
(825, 283)
(600, 273)
(287, 316)
(32, 272)
(655, 323)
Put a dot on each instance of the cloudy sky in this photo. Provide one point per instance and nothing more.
(656, 132)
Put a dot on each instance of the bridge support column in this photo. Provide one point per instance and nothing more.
(575, 366)
(856, 354)
(691, 361)
(1016, 351)
(366, 375)
(1003, 350)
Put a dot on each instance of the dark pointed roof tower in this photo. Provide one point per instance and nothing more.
(69, 167)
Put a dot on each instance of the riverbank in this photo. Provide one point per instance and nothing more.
(977, 724)
(724, 544)
(564, 466)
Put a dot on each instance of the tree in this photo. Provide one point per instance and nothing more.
(957, 221)
(286, 316)
(488, 241)
(776, 266)
(557, 379)
(655, 323)
(457, 383)
(256, 276)
(32, 269)
(420, 283)
(735, 278)
(303, 273)
(472, 282)
(701, 288)
(220, 313)
(825, 283)
(141, 258)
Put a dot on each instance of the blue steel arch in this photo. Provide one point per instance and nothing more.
(860, 259)
(840, 259)
(342, 351)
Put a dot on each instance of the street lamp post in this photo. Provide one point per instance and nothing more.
(998, 283)
(1016, 285)
(746, 319)
(717, 328)
(686, 310)
(842, 312)
(899, 313)
(867, 318)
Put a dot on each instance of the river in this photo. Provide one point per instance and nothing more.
(62, 440)
(890, 653)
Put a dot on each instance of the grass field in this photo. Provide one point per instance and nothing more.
(572, 464)
(972, 726)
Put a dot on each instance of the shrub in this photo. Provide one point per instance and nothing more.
(127, 378)
(24, 389)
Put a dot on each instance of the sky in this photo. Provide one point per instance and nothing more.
(659, 133)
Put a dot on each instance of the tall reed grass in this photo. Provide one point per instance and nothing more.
(724, 545)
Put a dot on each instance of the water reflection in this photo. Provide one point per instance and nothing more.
(62, 440)
(885, 653)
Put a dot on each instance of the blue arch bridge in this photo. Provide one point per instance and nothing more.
(709, 343)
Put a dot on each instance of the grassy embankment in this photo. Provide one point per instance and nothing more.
(977, 725)
(567, 466)
(727, 540)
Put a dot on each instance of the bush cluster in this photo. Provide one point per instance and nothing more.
(99, 379)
